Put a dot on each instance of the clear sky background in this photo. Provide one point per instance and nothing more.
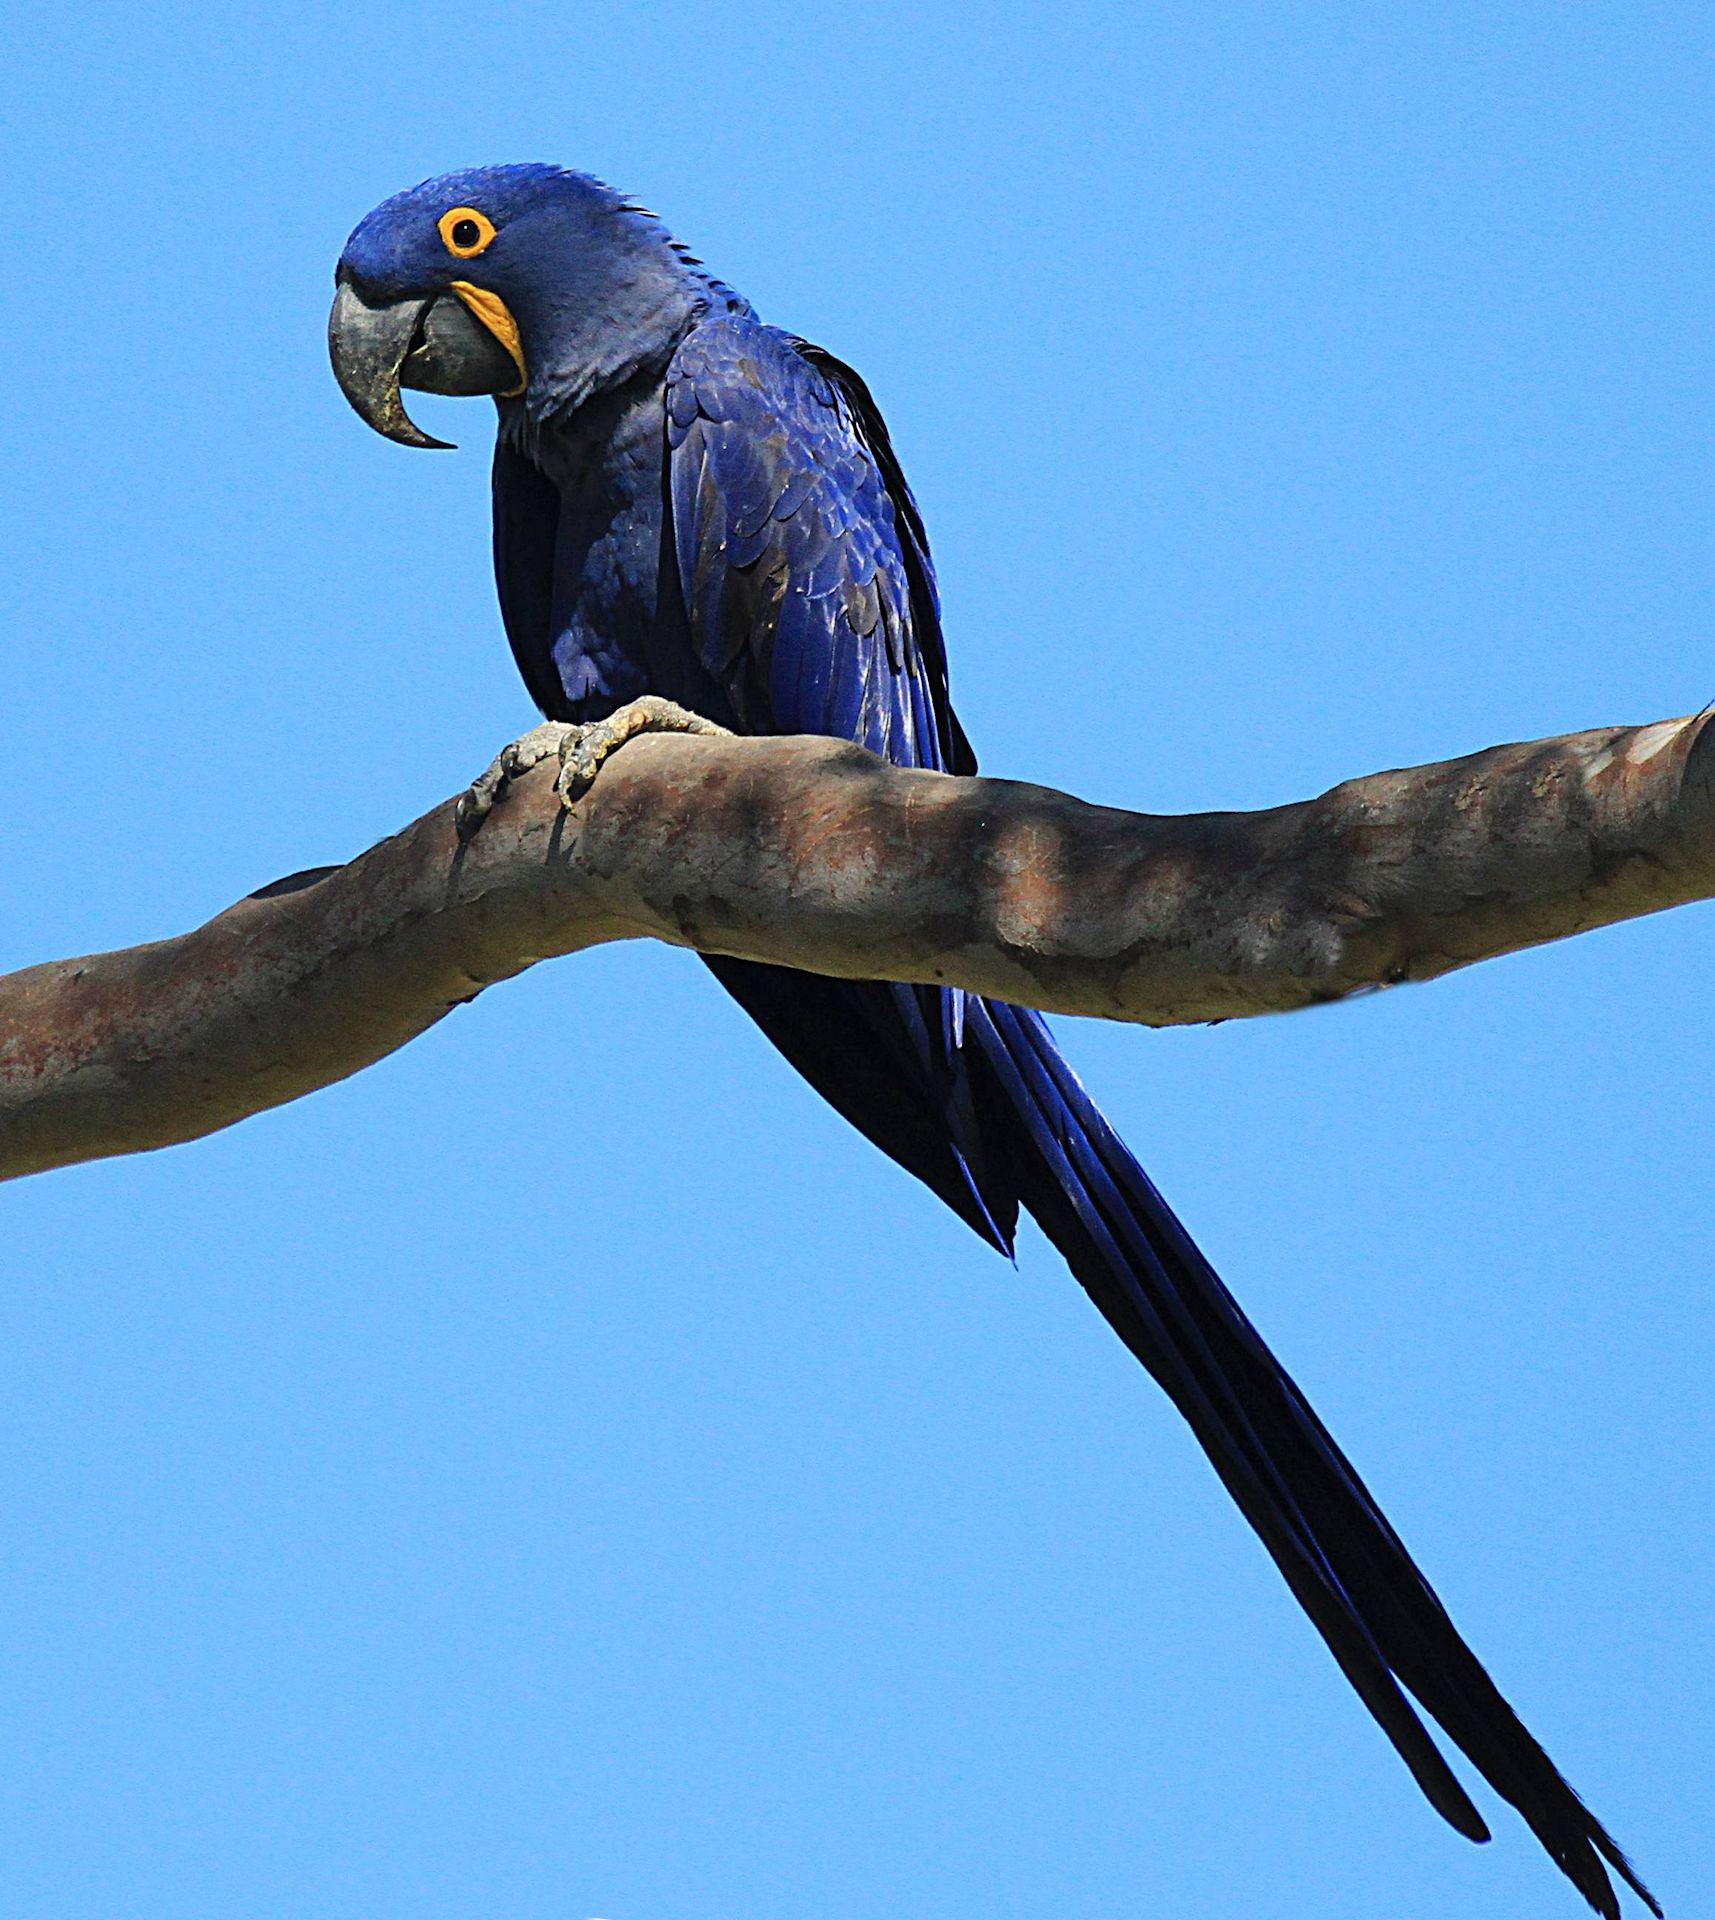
(563, 1472)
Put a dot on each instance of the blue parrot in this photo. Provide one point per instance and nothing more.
(692, 507)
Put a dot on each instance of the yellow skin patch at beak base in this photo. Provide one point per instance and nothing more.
(494, 314)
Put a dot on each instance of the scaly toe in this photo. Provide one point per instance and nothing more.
(513, 760)
(583, 749)
(581, 755)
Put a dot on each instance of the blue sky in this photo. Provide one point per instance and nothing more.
(563, 1472)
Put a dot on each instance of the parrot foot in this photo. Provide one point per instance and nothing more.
(579, 749)
(585, 748)
(529, 750)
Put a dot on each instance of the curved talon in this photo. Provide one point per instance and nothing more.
(517, 757)
(581, 755)
(583, 749)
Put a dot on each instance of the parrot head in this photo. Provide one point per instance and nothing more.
(529, 283)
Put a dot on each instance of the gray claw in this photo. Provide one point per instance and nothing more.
(581, 750)
(584, 749)
(529, 750)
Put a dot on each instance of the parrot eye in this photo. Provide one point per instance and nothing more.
(465, 232)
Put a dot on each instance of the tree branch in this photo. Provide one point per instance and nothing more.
(814, 854)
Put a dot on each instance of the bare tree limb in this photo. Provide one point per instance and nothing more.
(813, 854)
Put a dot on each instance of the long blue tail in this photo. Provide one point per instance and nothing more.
(1347, 1566)
(974, 1098)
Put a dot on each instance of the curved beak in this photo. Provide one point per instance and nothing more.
(433, 344)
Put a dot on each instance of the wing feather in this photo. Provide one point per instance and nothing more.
(805, 574)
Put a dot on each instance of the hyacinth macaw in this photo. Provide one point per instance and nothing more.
(693, 507)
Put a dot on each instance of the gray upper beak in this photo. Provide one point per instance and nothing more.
(433, 344)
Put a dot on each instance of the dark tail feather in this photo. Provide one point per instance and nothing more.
(1348, 1568)
(887, 1058)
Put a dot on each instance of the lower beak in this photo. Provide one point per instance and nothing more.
(433, 344)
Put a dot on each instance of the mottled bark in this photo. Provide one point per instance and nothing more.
(813, 854)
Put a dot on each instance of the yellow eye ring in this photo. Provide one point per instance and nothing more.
(464, 232)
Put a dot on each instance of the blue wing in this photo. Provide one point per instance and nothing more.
(805, 573)
(810, 599)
